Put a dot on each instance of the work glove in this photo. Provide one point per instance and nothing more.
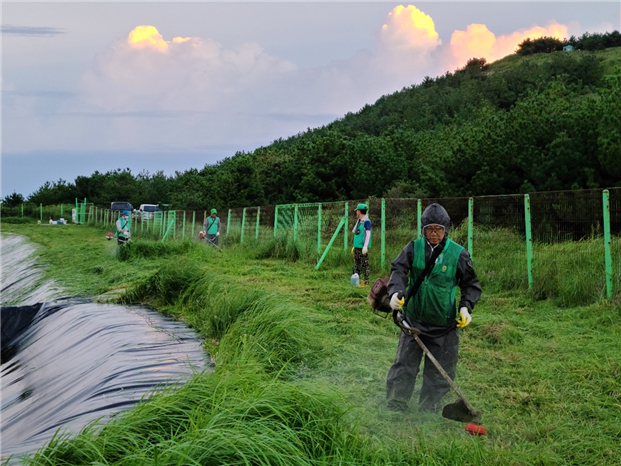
(352, 250)
(218, 233)
(365, 251)
(464, 317)
(396, 301)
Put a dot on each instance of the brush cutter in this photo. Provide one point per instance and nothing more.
(461, 410)
(211, 243)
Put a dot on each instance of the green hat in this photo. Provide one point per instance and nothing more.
(362, 207)
(214, 211)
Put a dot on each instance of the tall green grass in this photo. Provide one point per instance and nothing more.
(141, 248)
(570, 273)
(234, 418)
(300, 363)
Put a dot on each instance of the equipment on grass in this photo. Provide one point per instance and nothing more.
(109, 235)
(461, 410)
(211, 242)
(355, 279)
(201, 235)
(378, 297)
(476, 429)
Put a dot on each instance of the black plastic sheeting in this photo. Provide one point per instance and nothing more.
(70, 362)
(79, 361)
(22, 277)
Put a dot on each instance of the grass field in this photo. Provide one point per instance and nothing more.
(301, 363)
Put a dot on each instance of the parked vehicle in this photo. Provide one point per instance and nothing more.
(147, 211)
(121, 206)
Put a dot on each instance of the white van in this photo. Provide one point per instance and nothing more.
(147, 210)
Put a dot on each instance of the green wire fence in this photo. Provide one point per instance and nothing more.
(534, 227)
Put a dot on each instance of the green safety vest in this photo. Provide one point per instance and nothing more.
(361, 236)
(122, 235)
(212, 229)
(434, 304)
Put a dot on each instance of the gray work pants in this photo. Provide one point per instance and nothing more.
(213, 239)
(402, 374)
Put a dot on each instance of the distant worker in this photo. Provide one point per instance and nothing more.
(362, 243)
(211, 227)
(431, 310)
(122, 227)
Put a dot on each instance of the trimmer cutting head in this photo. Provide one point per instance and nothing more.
(460, 412)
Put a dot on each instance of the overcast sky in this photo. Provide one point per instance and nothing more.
(171, 86)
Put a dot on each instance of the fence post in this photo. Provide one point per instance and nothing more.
(325, 253)
(346, 226)
(61, 210)
(319, 229)
(607, 243)
(529, 241)
(295, 221)
(167, 229)
(419, 214)
(183, 228)
(241, 239)
(275, 220)
(383, 261)
(470, 225)
(41, 212)
(193, 220)
(228, 223)
(256, 234)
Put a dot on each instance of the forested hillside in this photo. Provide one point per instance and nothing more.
(547, 121)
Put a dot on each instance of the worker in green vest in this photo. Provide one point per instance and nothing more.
(211, 227)
(123, 225)
(362, 243)
(432, 310)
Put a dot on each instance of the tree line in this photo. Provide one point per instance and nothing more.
(518, 125)
(588, 42)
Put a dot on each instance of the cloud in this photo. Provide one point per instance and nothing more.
(406, 42)
(39, 31)
(408, 28)
(144, 71)
(148, 92)
(478, 41)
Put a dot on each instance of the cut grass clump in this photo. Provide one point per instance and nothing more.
(226, 418)
(274, 335)
(165, 285)
(211, 304)
(143, 249)
(499, 333)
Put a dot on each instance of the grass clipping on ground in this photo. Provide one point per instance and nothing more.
(301, 365)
